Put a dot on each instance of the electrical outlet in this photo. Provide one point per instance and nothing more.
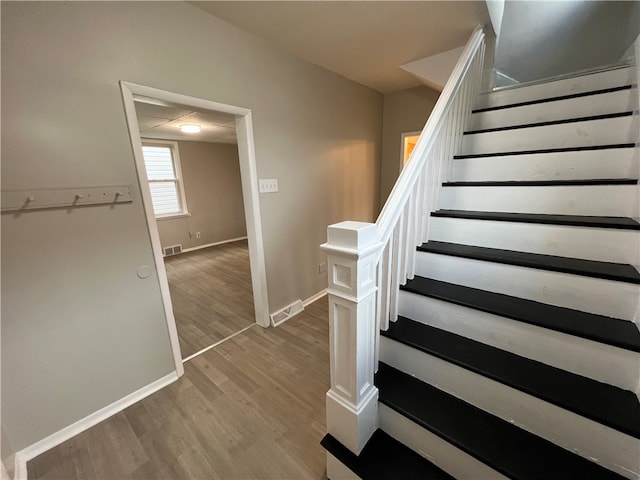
(268, 185)
(322, 268)
(197, 234)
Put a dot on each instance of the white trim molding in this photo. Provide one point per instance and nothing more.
(214, 244)
(314, 297)
(55, 439)
(249, 180)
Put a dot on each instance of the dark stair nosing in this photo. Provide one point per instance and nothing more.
(624, 223)
(606, 270)
(553, 99)
(384, 458)
(603, 403)
(547, 123)
(506, 448)
(544, 183)
(611, 331)
(544, 150)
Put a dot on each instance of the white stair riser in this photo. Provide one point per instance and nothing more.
(566, 86)
(594, 295)
(601, 362)
(588, 164)
(449, 458)
(608, 131)
(608, 447)
(602, 244)
(602, 104)
(597, 200)
(336, 470)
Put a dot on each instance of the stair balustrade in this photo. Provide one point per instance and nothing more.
(367, 262)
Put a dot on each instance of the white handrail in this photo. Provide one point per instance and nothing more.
(403, 223)
(368, 262)
(402, 188)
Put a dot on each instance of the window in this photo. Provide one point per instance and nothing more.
(165, 180)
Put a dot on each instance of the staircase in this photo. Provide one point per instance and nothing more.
(516, 349)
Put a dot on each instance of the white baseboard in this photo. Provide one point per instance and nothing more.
(32, 451)
(314, 297)
(207, 245)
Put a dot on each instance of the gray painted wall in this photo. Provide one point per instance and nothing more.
(211, 175)
(540, 39)
(404, 111)
(79, 329)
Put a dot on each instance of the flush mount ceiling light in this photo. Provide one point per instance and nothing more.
(190, 128)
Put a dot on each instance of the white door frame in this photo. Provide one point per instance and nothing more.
(249, 179)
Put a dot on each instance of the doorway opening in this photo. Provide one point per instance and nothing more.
(206, 238)
(407, 145)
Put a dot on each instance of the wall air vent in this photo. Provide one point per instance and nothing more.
(172, 250)
(286, 313)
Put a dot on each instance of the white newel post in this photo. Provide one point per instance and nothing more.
(352, 401)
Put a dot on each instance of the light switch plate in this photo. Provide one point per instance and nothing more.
(268, 185)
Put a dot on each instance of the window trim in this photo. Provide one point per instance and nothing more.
(179, 180)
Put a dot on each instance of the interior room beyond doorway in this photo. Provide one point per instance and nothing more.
(193, 171)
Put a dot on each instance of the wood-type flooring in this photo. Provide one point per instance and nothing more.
(211, 294)
(252, 407)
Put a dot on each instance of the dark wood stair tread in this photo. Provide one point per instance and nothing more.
(546, 219)
(603, 403)
(544, 183)
(612, 331)
(506, 448)
(607, 270)
(384, 458)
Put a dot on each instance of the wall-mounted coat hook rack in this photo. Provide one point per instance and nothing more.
(17, 200)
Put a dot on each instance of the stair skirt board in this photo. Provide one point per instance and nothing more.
(608, 447)
(606, 245)
(449, 458)
(593, 164)
(594, 295)
(604, 363)
(566, 86)
(585, 133)
(595, 200)
(597, 104)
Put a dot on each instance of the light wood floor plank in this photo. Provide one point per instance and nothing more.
(251, 408)
(211, 294)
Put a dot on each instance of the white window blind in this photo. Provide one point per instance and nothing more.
(163, 179)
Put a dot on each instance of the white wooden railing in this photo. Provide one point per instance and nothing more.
(369, 261)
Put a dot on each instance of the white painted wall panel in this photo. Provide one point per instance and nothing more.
(605, 103)
(610, 131)
(589, 164)
(607, 200)
(595, 295)
(602, 244)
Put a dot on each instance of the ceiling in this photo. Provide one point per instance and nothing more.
(161, 120)
(365, 41)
